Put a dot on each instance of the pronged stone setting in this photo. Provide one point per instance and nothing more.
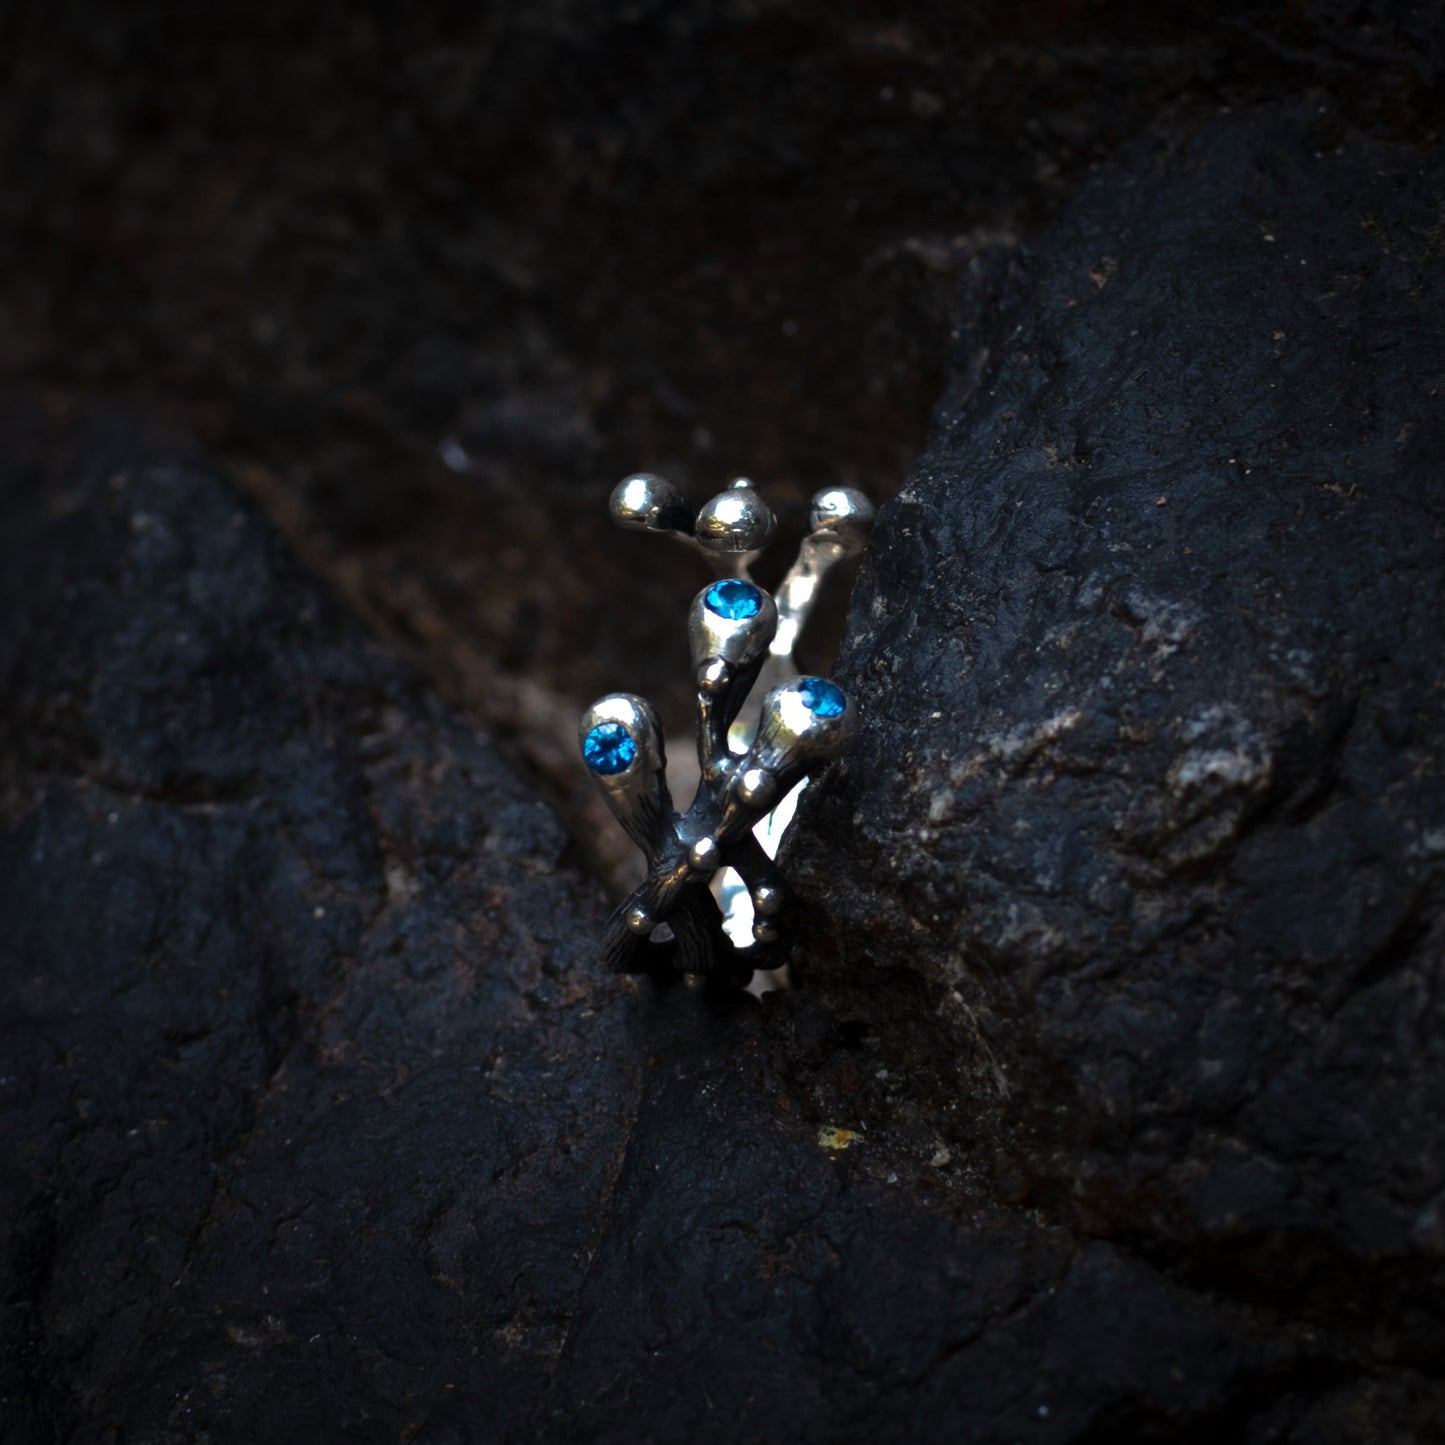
(821, 697)
(609, 749)
(734, 600)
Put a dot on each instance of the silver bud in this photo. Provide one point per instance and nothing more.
(768, 900)
(731, 622)
(757, 787)
(648, 503)
(844, 515)
(713, 676)
(737, 520)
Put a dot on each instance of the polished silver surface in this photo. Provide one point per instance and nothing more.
(737, 520)
(844, 515)
(792, 740)
(794, 735)
(727, 653)
(839, 522)
(768, 901)
(737, 641)
(712, 675)
(645, 502)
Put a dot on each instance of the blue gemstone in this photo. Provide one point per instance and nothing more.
(609, 749)
(821, 697)
(734, 600)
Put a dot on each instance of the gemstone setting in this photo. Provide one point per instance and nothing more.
(734, 600)
(609, 749)
(821, 697)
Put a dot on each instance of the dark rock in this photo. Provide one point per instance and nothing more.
(1151, 792)
(324, 1121)
(310, 1089)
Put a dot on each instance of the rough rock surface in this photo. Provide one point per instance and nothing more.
(323, 1123)
(304, 1070)
(1152, 794)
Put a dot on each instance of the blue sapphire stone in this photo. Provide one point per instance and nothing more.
(821, 697)
(734, 600)
(609, 749)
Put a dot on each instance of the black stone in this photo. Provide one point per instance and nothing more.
(1150, 795)
(322, 1119)
(325, 1120)
(310, 1092)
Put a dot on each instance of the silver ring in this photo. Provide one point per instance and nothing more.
(761, 731)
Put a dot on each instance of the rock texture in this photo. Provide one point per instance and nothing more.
(1106, 1112)
(1152, 798)
(323, 1123)
(310, 1095)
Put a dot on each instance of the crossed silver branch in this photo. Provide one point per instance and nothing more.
(742, 643)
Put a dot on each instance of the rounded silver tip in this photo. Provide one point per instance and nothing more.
(757, 787)
(644, 502)
(764, 931)
(704, 855)
(639, 920)
(737, 520)
(768, 901)
(844, 515)
(712, 676)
